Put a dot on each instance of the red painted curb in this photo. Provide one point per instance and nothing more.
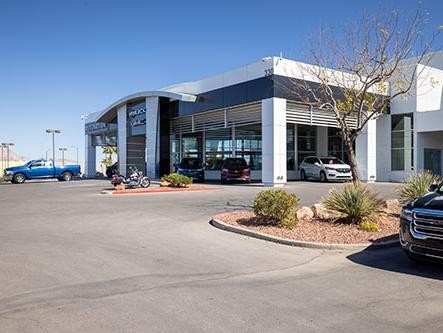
(165, 190)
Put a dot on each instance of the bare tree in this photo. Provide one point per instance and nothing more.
(357, 73)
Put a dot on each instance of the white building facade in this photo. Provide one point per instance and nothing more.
(250, 112)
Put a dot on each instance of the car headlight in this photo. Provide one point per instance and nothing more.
(225, 170)
(406, 214)
(330, 169)
(179, 170)
(9, 173)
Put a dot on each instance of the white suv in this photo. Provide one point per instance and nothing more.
(324, 169)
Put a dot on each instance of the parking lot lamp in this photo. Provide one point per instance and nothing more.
(76, 148)
(7, 146)
(2, 147)
(63, 154)
(53, 132)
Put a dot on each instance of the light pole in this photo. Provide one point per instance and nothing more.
(53, 132)
(7, 146)
(63, 154)
(76, 148)
(46, 154)
(2, 147)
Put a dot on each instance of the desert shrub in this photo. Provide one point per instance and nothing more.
(277, 207)
(368, 226)
(177, 180)
(416, 186)
(354, 203)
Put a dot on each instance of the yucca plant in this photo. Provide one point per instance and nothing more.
(416, 186)
(355, 203)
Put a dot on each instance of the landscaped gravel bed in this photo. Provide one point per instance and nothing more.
(320, 231)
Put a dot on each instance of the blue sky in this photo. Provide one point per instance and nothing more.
(61, 59)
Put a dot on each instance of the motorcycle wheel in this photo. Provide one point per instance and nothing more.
(145, 182)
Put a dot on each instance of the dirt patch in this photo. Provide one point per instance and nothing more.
(315, 230)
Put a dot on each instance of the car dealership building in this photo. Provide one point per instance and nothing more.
(251, 112)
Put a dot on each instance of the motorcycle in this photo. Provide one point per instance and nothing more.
(135, 179)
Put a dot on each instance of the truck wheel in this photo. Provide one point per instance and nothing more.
(19, 178)
(67, 176)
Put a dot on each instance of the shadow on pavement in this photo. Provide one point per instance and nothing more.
(395, 260)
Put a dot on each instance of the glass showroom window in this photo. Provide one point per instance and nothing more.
(192, 146)
(291, 163)
(306, 141)
(402, 142)
(336, 147)
(218, 146)
(248, 145)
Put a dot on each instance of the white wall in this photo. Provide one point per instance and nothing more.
(366, 151)
(274, 171)
(383, 148)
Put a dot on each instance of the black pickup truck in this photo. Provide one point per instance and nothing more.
(421, 226)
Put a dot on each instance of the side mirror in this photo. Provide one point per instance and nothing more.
(433, 187)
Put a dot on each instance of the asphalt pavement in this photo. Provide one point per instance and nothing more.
(74, 260)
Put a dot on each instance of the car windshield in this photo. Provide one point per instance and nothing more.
(29, 162)
(190, 163)
(331, 160)
(235, 162)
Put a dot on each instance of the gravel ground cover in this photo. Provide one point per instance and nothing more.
(315, 230)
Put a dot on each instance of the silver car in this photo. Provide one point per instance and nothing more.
(324, 169)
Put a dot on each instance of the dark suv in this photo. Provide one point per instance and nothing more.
(421, 226)
(192, 167)
(235, 169)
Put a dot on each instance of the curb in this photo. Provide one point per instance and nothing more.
(312, 245)
(114, 192)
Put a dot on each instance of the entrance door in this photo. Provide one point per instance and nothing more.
(433, 161)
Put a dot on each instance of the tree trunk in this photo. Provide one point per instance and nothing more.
(348, 145)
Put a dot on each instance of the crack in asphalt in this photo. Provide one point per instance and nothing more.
(64, 295)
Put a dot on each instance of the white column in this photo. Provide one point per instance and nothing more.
(366, 152)
(90, 156)
(122, 133)
(322, 141)
(152, 137)
(274, 141)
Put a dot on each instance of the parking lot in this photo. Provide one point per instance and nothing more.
(72, 259)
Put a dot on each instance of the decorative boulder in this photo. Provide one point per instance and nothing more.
(164, 184)
(322, 213)
(305, 213)
(120, 187)
(392, 206)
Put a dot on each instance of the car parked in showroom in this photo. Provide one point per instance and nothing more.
(324, 169)
(40, 169)
(192, 167)
(235, 169)
(421, 226)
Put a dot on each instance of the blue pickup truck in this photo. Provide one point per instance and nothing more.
(40, 169)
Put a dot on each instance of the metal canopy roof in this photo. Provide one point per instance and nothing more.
(110, 112)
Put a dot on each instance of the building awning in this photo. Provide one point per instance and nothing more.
(108, 114)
